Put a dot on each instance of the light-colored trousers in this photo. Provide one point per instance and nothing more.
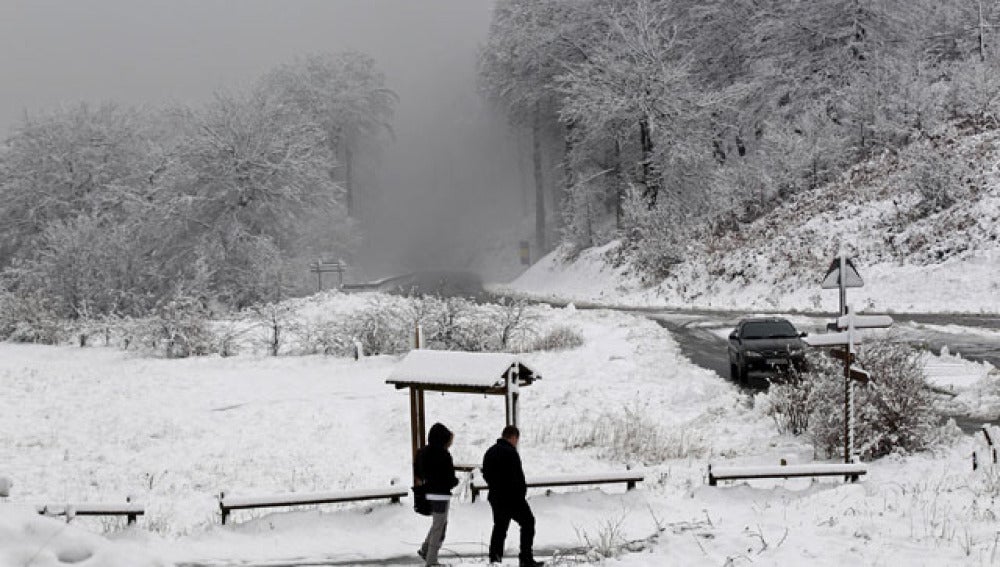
(435, 537)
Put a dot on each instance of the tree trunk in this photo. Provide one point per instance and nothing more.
(536, 154)
(649, 182)
(349, 179)
(522, 170)
(567, 173)
(982, 34)
(619, 185)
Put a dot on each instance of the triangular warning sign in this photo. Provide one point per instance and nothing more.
(832, 278)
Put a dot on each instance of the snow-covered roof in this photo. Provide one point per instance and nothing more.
(484, 370)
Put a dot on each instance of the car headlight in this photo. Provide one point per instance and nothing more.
(754, 354)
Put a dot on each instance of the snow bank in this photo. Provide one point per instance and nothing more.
(29, 539)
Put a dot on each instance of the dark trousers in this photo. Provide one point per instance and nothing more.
(503, 513)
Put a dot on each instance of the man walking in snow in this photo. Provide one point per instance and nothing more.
(436, 473)
(507, 495)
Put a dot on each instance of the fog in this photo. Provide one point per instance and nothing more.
(449, 179)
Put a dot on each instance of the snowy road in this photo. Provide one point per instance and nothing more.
(976, 338)
(701, 336)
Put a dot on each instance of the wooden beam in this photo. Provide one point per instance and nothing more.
(449, 389)
(421, 418)
(414, 425)
(514, 404)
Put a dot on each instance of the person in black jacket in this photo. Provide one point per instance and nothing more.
(507, 495)
(436, 473)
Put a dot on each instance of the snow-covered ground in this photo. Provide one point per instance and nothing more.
(967, 285)
(27, 539)
(98, 424)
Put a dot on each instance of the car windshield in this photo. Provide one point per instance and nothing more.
(769, 330)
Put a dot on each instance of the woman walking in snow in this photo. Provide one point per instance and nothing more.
(436, 473)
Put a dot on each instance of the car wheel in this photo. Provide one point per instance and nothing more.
(744, 374)
(734, 372)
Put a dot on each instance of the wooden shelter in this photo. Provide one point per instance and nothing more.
(498, 374)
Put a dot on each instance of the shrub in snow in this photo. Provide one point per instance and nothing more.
(606, 541)
(179, 329)
(384, 326)
(631, 435)
(941, 181)
(904, 412)
(274, 318)
(892, 413)
(321, 337)
(558, 338)
(654, 238)
(788, 399)
(459, 324)
(28, 317)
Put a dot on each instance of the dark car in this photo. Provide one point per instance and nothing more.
(764, 345)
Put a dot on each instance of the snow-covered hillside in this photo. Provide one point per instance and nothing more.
(912, 258)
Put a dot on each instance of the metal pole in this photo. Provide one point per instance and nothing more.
(515, 395)
(843, 284)
(509, 399)
(849, 394)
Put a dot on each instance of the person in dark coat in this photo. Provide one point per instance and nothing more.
(507, 495)
(436, 472)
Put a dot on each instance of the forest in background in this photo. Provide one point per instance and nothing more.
(672, 122)
(112, 210)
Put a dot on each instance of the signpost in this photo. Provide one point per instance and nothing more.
(841, 275)
(852, 372)
(320, 267)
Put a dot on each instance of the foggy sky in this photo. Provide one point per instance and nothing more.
(452, 159)
(154, 51)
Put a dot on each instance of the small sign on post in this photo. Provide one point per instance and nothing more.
(525, 253)
(841, 275)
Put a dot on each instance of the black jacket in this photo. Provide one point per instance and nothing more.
(503, 473)
(434, 464)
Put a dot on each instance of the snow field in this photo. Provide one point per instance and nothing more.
(98, 424)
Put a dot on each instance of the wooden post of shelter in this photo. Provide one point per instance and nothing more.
(414, 439)
(418, 431)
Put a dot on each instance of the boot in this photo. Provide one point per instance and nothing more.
(531, 563)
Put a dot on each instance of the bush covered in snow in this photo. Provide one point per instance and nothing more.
(893, 412)
(630, 435)
(561, 337)
(28, 317)
(788, 401)
(178, 329)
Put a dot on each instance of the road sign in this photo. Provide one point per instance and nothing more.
(864, 321)
(829, 339)
(832, 280)
(859, 374)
